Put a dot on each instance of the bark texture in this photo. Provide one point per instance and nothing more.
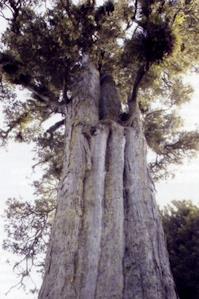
(110, 104)
(107, 239)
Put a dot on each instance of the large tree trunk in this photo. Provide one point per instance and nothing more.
(107, 240)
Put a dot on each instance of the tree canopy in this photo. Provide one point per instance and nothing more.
(147, 46)
(181, 222)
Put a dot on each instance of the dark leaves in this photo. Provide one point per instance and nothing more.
(181, 222)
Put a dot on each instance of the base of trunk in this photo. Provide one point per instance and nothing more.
(107, 239)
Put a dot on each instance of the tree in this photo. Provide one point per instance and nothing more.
(78, 61)
(180, 221)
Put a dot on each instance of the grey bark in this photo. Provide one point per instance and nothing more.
(109, 106)
(107, 239)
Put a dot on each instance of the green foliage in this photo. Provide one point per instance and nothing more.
(28, 226)
(152, 44)
(157, 42)
(181, 223)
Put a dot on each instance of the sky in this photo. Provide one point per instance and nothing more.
(17, 174)
(186, 181)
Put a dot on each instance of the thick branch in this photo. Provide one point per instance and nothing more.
(132, 102)
(140, 75)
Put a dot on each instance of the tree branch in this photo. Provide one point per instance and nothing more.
(140, 75)
(4, 134)
(56, 126)
(43, 93)
(3, 16)
(135, 11)
(175, 15)
(132, 101)
(15, 74)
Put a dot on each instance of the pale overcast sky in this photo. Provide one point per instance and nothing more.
(16, 176)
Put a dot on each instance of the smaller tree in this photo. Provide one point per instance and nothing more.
(181, 225)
